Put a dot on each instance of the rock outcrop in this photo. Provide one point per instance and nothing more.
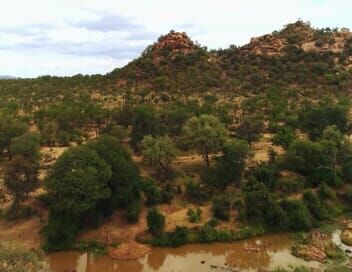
(175, 42)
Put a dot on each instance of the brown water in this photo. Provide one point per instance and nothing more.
(274, 252)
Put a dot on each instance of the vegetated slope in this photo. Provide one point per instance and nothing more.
(297, 57)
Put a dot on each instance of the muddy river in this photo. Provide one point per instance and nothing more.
(266, 252)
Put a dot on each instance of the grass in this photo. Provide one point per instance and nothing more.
(14, 258)
(205, 234)
(94, 247)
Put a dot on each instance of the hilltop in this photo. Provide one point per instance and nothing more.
(296, 57)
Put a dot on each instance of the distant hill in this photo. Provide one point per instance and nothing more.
(7, 77)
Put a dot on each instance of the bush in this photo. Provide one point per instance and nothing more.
(325, 192)
(314, 205)
(194, 216)
(133, 211)
(326, 175)
(265, 173)
(290, 185)
(195, 192)
(166, 194)
(299, 217)
(151, 192)
(172, 239)
(60, 231)
(155, 222)
(221, 207)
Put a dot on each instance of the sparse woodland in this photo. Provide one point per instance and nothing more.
(245, 140)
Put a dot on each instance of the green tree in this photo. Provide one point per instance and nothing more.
(284, 137)
(145, 122)
(250, 128)
(9, 129)
(221, 206)
(78, 180)
(21, 178)
(262, 207)
(76, 185)
(315, 118)
(298, 214)
(159, 151)
(27, 146)
(155, 221)
(123, 116)
(314, 205)
(229, 168)
(206, 134)
(124, 182)
(304, 156)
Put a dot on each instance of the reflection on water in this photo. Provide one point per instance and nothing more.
(265, 252)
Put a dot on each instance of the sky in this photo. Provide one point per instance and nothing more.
(67, 37)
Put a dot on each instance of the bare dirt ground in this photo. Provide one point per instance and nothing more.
(26, 232)
(261, 148)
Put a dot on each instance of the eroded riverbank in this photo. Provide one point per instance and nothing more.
(266, 252)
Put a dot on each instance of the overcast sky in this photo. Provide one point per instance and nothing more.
(66, 37)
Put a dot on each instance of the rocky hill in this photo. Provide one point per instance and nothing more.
(296, 57)
(176, 42)
(303, 36)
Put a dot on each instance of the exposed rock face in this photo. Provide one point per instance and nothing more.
(317, 246)
(175, 42)
(303, 36)
(265, 45)
(310, 252)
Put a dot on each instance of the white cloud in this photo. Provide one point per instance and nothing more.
(94, 36)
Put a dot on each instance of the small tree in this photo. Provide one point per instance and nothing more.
(9, 129)
(229, 168)
(27, 146)
(21, 178)
(155, 221)
(250, 128)
(221, 207)
(206, 134)
(144, 122)
(284, 137)
(159, 151)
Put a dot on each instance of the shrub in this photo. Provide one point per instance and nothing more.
(155, 222)
(151, 192)
(290, 185)
(133, 211)
(195, 192)
(299, 217)
(221, 207)
(194, 216)
(60, 231)
(167, 193)
(325, 192)
(314, 205)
